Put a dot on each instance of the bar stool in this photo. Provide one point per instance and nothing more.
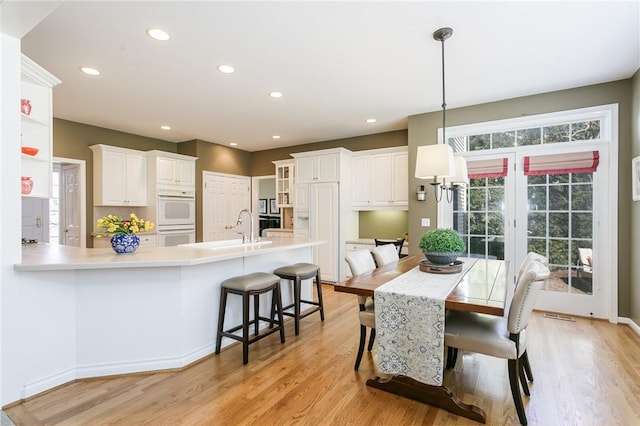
(296, 273)
(253, 284)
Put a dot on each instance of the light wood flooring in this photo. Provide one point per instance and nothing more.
(586, 372)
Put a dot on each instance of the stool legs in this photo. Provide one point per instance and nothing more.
(319, 290)
(221, 312)
(297, 300)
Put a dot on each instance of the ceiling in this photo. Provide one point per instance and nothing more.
(337, 63)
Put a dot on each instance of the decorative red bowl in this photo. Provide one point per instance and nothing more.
(29, 150)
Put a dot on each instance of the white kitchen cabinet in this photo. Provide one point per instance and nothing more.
(322, 210)
(36, 129)
(321, 166)
(284, 183)
(172, 170)
(119, 176)
(380, 179)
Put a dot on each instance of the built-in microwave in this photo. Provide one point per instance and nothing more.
(177, 208)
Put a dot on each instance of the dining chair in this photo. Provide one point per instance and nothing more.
(361, 262)
(385, 254)
(501, 337)
(531, 256)
(397, 243)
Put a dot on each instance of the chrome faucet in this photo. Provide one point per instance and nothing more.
(239, 222)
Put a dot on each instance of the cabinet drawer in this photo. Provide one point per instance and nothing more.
(148, 240)
(355, 247)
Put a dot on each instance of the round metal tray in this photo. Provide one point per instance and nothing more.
(454, 268)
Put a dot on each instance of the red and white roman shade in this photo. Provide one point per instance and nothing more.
(555, 164)
(487, 168)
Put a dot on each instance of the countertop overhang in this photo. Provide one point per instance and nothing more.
(46, 257)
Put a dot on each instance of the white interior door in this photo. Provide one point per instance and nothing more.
(224, 196)
(70, 199)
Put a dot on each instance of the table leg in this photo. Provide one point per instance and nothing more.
(438, 396)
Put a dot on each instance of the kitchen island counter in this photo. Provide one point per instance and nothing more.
(46, 257)
(75, 313)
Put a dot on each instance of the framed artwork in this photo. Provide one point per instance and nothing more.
(273, 209)
(635, 175)
(262, 206)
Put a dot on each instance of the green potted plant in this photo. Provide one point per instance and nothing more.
(442, 246)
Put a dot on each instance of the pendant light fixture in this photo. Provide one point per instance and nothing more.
(437, 161)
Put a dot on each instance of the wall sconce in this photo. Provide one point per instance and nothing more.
(420, 193)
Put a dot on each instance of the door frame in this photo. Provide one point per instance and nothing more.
(82, 199)
(609, 136)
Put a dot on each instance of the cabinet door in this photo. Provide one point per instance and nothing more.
(136, 177)
(328, 168)
(323, 224)
(360, 181)
(165, 171)
(381, 180)
(305, 170)
(185, 173)
(301, 197)
(114, 178)
(400, 190)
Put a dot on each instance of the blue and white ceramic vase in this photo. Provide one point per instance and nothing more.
(125, 243)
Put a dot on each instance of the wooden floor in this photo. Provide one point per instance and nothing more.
(586, 373)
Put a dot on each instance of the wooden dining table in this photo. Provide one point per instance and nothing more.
(483, 289)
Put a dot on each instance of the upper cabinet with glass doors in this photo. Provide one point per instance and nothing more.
(36, 133)
(284, 183)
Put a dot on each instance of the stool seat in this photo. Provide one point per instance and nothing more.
(297, 270)
(251, 282)
(296, 273)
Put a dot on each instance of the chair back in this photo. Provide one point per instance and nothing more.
(525, 296)
(385, 254)
(360, 262)
(398, 243)
(531, 256)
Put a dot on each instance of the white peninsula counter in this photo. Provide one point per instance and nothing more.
(78, 313)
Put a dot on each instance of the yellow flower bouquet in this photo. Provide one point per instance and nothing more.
(113, 224)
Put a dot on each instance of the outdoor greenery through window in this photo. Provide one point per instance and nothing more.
(557, 133)
(560, 223)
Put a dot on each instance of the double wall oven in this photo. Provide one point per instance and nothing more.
(176, 216)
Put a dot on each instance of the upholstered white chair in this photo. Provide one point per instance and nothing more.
(531, 256)
(361, 262)
(385, 254)
(501, 337)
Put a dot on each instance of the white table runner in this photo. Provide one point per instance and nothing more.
(410, 323)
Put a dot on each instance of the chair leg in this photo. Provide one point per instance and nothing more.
(363, 338)
(245, 328)
(296, 303)
(278, 295)
(523, 379)
(372, 337)
(256, 313)
(221, 312)
(527, 366)
(319, 288)
(515, 390)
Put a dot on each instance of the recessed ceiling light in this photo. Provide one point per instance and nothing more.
(275, 137)
(227, 69)
(233, 144)
(158, 34)
(90, 71)
(275, 94)
(165, 127)
(371, 120)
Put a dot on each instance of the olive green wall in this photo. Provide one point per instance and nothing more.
(214, 158)
(423, 130)
(261, 160)
(634, 253)
(383, 224)
(72, 140)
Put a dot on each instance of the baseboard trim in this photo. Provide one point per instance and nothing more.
(47, 383)
(635, 327)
